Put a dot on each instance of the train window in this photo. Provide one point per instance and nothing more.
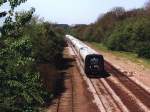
(94, 61)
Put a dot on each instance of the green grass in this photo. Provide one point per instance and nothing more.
(99, 46)
(127, 55)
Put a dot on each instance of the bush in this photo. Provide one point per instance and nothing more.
(47, 44)
(21, 87)
(119, 39)
(131, 35)
(144, 52)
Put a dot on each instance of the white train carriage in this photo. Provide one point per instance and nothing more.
(93, 62)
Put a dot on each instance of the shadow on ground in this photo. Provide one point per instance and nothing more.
(59, 87)
(104, 74)
(54, 77)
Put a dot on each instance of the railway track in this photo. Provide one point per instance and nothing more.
(66, 100)
(117, 93)
(133, 86)
(140, 94)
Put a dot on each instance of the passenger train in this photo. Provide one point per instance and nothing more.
(93, 62)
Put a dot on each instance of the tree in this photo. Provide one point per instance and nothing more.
(13, 27)
(20, 85)
(13, 4)
(119, 12)
(2, 14)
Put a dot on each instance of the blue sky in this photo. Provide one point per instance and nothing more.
(76, 11)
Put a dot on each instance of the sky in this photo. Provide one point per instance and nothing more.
(76, 11)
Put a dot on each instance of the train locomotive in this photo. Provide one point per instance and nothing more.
(92, 61)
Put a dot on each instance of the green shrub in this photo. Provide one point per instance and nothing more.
(144, 52)
(131, 35)
(21, 86)
(119, 39)
(47, 43)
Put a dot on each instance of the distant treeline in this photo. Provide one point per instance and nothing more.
(120, 30)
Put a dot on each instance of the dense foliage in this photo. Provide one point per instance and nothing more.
(21, 89)
(25, 42)
(131, 35)
(120, 30)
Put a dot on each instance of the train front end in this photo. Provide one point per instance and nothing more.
(94, 64)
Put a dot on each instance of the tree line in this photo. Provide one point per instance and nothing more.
(120, 30)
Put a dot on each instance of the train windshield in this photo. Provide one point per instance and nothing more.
(94, 63)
